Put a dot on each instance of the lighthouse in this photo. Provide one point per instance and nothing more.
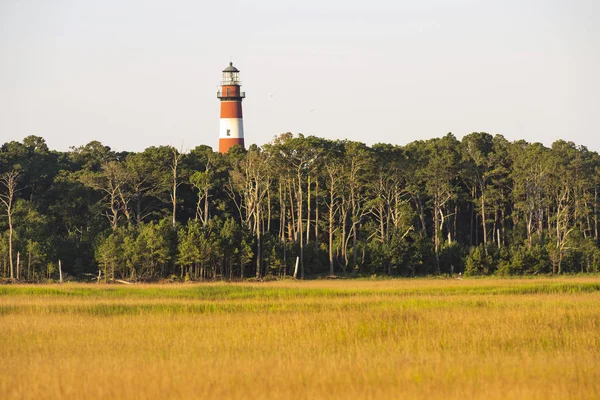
(231, 130)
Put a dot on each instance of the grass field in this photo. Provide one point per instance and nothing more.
(422, 338)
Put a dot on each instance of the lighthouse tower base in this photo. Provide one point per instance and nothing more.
(226, 144)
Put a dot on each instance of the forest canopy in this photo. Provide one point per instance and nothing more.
(481, 205)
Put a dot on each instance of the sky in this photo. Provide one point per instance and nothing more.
(134, 74)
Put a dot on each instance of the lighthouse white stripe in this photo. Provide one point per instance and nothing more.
(231, 128)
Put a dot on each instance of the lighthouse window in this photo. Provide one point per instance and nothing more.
(228, 132)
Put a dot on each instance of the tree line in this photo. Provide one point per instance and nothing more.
(302, 206)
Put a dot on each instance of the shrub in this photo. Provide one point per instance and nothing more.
(478, 262)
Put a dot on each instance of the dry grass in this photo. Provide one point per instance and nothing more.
(429, 339)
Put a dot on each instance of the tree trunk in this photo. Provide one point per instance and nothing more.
(530, 229)
(10, 244)
(308, 213)
(331, 236)
(421, 212)
(268, 188)
(343, 217)
(258, 254)
(258, 242)
(174, 196)
(354, 243)
(381, 222)
(332, 183)
(436, 233)
(472, 224)
(293, 235)
(300, 228)
(205, 222)
(596, 214)
(483, 224)
(176, 158)
(29, 265)
(317, 215)
(282, 224)
(454, 220)
(503, 226)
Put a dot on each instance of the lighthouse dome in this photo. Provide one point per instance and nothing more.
(231, 68)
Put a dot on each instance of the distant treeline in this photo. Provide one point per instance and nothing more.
(482, 205)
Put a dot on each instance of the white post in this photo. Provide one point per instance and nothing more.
(296, 268)
(60, 271)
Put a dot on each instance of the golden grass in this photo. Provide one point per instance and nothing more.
(426, 339)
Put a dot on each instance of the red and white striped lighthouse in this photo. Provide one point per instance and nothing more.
(231, 131)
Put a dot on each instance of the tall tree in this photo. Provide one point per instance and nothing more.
(478, 149)
(441, 184)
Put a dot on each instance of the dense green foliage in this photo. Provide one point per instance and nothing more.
(482, 205)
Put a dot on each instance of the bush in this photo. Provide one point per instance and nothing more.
(478, 262)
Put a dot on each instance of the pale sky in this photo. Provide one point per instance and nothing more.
(134, 74)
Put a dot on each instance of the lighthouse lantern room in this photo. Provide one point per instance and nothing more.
(231, 130)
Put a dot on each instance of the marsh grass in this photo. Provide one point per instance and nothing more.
(433, 339)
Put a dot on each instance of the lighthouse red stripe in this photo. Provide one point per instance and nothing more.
(230, 90)
(231, 109)
(226, 144)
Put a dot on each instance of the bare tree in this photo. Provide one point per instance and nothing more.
(333, 178)
(9, 181)
(202, 181)
(112, 180)
(177, 156)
